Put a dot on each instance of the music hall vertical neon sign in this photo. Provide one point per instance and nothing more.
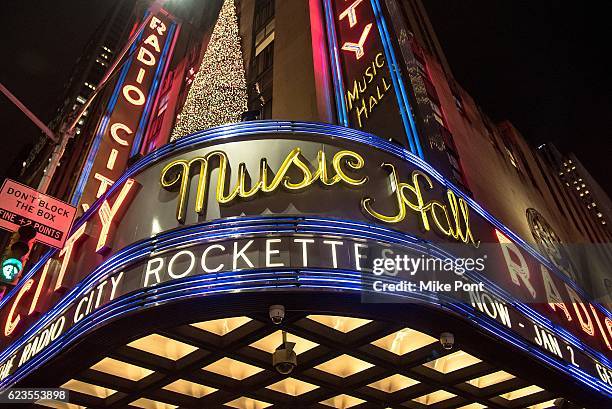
(370, 93)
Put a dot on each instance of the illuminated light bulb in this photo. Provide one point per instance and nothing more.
(218, 94)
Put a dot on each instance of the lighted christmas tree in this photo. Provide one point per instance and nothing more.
(218, 93)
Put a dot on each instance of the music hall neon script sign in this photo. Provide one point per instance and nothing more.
(451, 219)
(344, 168)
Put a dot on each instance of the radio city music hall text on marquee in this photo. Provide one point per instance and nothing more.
(344, 168)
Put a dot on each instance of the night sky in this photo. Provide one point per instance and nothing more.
(41, 41)
(540, 64)
(543, 65)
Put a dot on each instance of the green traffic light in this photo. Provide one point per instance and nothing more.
(11, 267)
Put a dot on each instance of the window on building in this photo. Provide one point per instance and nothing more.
(511, 157)
(266, 109)
(457, 98)
(489, 130)
(264, 60)
(458, 103)
(264, 11)
(437, 113)
(509, 148)
(421, 67)
(434, 100)
(527, 169)
(454, 160)
(264, 37)
(431, 90)
(260, 73)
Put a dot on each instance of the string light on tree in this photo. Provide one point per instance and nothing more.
(218, 94)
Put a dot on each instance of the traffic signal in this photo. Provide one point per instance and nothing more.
(12, 264)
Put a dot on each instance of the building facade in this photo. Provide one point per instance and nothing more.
(240, 188)
(88, 70)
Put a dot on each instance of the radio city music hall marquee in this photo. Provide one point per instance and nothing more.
(303, 176)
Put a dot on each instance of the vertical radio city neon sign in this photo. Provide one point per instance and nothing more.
(127, 112)
(106, 161)
(118, 131)
(351, 15)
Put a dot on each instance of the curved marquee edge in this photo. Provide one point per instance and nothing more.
(258, 280)
(313, 129)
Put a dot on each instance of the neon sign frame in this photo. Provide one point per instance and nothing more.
(394, 69)
(224, 133)
(226, 283)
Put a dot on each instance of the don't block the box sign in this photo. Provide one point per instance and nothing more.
(22, 205)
